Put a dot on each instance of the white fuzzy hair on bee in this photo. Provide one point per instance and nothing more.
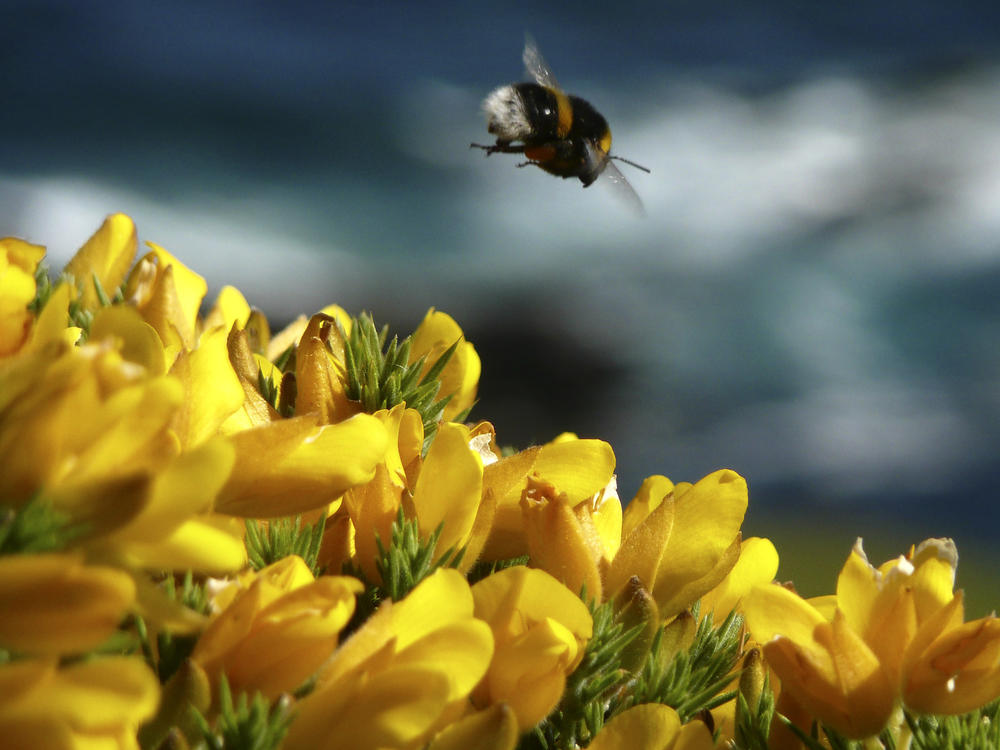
(506, 115)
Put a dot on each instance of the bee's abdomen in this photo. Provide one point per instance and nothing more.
(589, 124)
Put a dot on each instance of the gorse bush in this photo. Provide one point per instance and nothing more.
(214, 535)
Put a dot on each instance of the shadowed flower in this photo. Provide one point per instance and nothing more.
(86, 704)
(442, 489)
(52, 604)
(540, 628)
(275, 628)
(404, 676)
(92, 435)
(652, 726)
(577, 470)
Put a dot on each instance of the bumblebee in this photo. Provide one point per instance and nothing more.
(562, 134)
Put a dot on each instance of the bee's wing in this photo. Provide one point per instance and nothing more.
(536, 66)
(612, 177)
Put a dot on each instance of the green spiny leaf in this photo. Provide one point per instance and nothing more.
(976, 730)
(583, 708)
(401, 566)
(246, 723)
(483, 568)
(753, 723)
(380, 376)
(36, 527)
(283, 537)
(43, 288)
(172, 650)
(695, 679)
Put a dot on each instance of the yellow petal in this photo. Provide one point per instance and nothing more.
(641, 552)
(249, 369)
(529, 672)
(460, 377)
(230, 307)
(373, 507)
(672, 601)
(55, 604)
(651, 493)
(295, 465)
(208, 544)
(707, 519)
(958, 672)
(607, 517)
(129, 429)
(758, 564)
(108, 255)
(494, 728)
(511, 598)
(480, 532)
(23, 255)
(870, 695)
(650, 726)
(578, 468)
(399, 708)
(137, 340)
(106, 696)
(153, 291)
(506, 479)
(449, 487)
(17, 289)
(185, 487)
(443, 597)
(561, 542)
(934, 561)
(190, 286)
(319, 375)
(772, 611)
(106, 691)
(857, 589)
(52, 323)
(826, 666)
(694, 735)
(460, 650)
(292, 637)
(212, 391)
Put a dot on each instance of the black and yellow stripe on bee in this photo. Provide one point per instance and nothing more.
(555, 115)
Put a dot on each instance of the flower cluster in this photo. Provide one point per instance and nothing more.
(215, 535)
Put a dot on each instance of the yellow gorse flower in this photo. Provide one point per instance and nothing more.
(276, 628)
(405, 675)
(540, 628)
(95, 703)
(18, 261)
(652, 726)
(893, 635)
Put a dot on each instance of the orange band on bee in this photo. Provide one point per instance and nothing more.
(605, 143)
(565, 113)
(540, 153)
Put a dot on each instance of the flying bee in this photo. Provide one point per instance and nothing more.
(562, 134)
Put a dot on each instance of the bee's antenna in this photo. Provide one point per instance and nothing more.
(637, 166)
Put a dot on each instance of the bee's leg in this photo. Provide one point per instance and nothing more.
(528, 164)
(499, 148)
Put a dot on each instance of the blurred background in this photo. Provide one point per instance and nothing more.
(813, 299)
